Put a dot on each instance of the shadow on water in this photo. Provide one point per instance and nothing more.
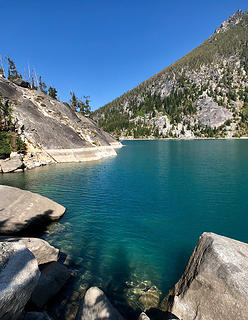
(121, 274)
(177, 267)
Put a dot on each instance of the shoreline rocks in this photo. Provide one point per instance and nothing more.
(41, 249)
(21, 209)
(214, 284)
(53, 277)
(14, 163)
(19, 275)
(97, 306)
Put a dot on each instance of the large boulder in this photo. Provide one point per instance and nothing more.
(42, 250)
(21, 208)
(215, 282)
(53, 278)
(11, 164)
(19, 275)
(96, 306)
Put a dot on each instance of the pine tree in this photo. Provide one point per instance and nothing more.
(42, 86)
(73, 101)
(52, 92)
(84, 106)
(12, 72)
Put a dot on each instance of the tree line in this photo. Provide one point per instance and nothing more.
(37, 83)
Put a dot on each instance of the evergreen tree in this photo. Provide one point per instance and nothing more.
(1, 70)
(42, 86)
(12, 72)
(52, 92)
(84, 106)
(73, 101)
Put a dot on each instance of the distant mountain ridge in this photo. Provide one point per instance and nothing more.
(203, 94)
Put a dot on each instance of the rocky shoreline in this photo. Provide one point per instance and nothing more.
(179, 139)
(21, 162)
(213, 286)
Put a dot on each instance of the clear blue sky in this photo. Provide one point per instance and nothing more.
(103, 48)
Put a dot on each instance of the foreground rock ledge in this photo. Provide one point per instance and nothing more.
(21, 208)
(215, 282)
(41, 249)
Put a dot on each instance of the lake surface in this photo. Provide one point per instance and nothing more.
(133, 220)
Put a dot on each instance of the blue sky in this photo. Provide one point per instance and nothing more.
(103, 48)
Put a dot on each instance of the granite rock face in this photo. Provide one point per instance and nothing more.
(19, 275)
(215, 282)
(53, 278)
(231, 21)
(97, 306)
(21, 208)
(42, 250)
(211, 114)
(46, 124)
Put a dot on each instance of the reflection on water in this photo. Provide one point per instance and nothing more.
(132, 221)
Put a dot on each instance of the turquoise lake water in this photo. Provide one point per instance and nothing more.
(133, 220)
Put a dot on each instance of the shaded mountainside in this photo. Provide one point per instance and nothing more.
(52, 130)
(204, 94)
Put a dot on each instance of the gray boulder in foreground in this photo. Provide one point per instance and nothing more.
(53, 278)
(96, 306)
(42, 250)
(21, 208)
(19, 275)
(215, 282)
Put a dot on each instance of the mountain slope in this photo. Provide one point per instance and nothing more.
(52, 131)
(204, 94)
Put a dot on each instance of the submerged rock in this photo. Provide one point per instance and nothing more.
(19, 275)
(215, 282)
(53, 278)
(21, 208)
(41, 249)
(150, 298)
(97, 306)
(142, 295)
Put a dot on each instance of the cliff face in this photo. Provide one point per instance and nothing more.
(53, 131)
(204, 94)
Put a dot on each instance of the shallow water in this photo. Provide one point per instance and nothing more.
(132, 221)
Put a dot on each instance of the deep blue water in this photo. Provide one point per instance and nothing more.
(137, 217)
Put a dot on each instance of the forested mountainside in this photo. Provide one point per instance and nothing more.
(204, 94)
